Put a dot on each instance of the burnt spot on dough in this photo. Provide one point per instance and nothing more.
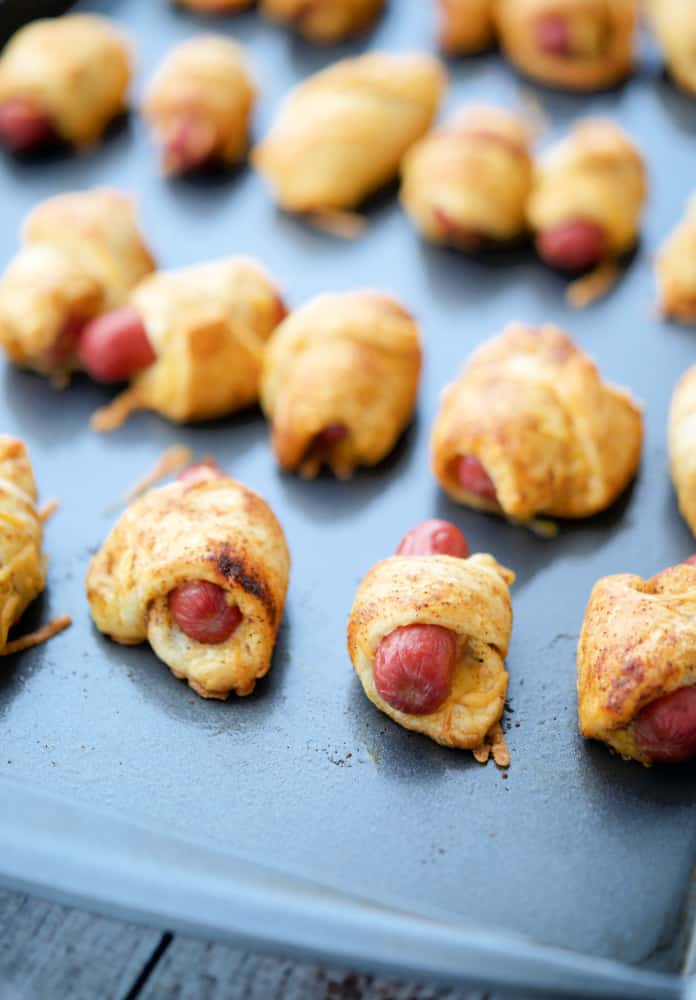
(236, 569)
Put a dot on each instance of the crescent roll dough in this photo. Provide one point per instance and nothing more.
(470, 597)
(207, 325)
(349, 361)
(682, 445)
(466, 25)
(636, 645)
(594, 174)
(82, 252)
(552, 437)
(468, 181)
(574, 44)
(676, 270)
(212, 529)
(22, 562)
(199, 103)
(675, 24)
(77, 69)
(342, 133)
(325, 20)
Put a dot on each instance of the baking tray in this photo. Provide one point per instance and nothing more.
(301, 819)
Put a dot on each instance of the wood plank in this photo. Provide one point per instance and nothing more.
(49, 952)
(194, 970)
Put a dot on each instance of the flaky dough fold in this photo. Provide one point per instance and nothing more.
(470, 597)
(76, 67)
(593, 48)
(212, 529)
(636, 645)
(350, 360)
(208, 325)
(342, 133)
(324, 21)
(554, 438)
(468, 181)
(81, 254)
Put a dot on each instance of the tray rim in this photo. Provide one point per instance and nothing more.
(49, 846)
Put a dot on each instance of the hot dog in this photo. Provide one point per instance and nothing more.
(552, 35)
(665, 729)
(115, 346)
(432, 538)
(414, 664)
(473, 477)
(427, 636)
(200, 609)
(24, 125)
(636, 675)
(574, 245)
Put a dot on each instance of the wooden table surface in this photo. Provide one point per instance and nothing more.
(51, 952)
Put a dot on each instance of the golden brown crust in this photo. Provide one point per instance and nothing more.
(675, 270)
(22, 563)
(602, 35)
(324, 21)
(682, 445)
(597, 174)
(469, 180)
(465, 25)
(208, 326)
(212, 529)
(637, 644)
(351, 359)
(674, 22)
(554, 438)
(314, 155)
(205, 78)
(468, 596)
(76, 67)
(81, 254)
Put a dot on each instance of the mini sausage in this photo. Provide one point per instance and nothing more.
(552, 35)
(666, 728)
(575, 245)
(414, 667)
(691, 561)
(191, 144)
(24, 125)
(201, 471)
(114, 346)
(473, 477)
(200, 609)
(432, 538)
(414, 664)
(327, 438)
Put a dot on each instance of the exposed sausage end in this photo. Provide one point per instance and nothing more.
(414, 666)
(665, 730)
(201, 611)
(115, 346)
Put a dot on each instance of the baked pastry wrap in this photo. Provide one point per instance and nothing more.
(324, 21)
(675, 270)
(199, 103)
(467, 182)
(76, 68)
(674, 22)
(471, 598)
(341, 134)
(345, 364)
(208, 325)
(636, 646)
(465, 25)
(211, 528)
(594, 175)
(572, 44)
(81, 254)
(531, 410)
